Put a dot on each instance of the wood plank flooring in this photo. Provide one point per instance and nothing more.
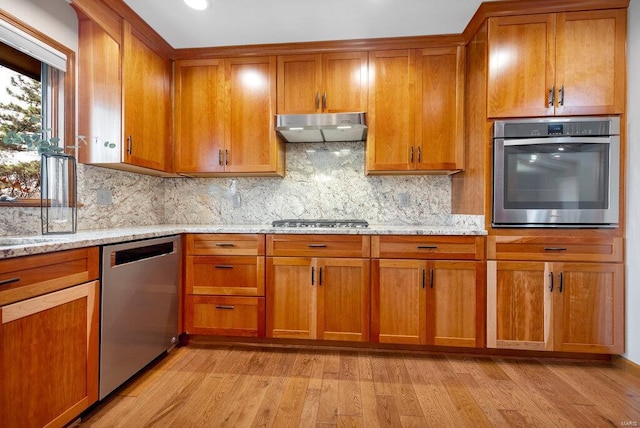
(244, 386)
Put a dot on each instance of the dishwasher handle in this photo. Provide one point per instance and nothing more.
(143, 252)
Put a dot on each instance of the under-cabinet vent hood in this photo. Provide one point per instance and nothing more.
(315, 128)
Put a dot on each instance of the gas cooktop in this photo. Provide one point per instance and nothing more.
(319, 223)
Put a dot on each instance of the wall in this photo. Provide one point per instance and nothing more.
(633, 185)
(323, 180)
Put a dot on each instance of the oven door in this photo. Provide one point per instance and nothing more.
(556, 181)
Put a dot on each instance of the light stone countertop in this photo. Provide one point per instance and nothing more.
(15, 246)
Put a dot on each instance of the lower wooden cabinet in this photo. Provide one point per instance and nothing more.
(318, 298)
(224, 285)
(49, 357)
(428, 302)
(227, 316)
(559, 306)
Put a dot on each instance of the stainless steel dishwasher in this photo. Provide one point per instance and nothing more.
(139, 306)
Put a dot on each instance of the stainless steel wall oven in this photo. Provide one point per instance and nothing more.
(556, 172)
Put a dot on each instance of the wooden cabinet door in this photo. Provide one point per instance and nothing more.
(199, 116)
(589, 307)
(453, 303)
(290, 297)
(327, 83)
(519, 305)
(399, 307)
(343, 299)
(344, 82)
(521, 66)
(440, 109)
(299, 84)
(49, 357)
(147, 109)
(590, 62)
(390, 116)
(251, 145)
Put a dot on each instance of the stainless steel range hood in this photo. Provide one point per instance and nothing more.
(314, 128)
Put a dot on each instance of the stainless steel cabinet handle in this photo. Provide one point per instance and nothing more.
(9, 281)
(317, 245)
(551, 278)
(317, 101)
(313, 276)
(226, 157)
(320, 276)
(419, 155)
(324, 101)
(129, 145)
(225, 307)
(224, 266)
(220, 157)
(555, 249)
(411, 155)
(430, 278)
(561, 282)
(423, 278)
(224, 244)
(561, 96)
(551, 98)
(427, 247)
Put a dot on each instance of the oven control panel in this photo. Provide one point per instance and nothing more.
(555, 128)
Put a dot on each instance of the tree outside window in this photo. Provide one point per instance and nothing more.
(20, 102)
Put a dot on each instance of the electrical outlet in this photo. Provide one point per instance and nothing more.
(403, 199)
(104, 197)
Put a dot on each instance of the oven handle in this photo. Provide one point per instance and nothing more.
(578, 139)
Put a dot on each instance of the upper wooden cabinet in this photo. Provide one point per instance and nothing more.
(224, 117)
(557, 64)
(124, 94)
(415, 114)
(322, 83)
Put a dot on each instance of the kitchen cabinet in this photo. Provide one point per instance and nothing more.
(415, 113)
(315, 295)
(49, 314)
(322, 83)
(428, 290)
(554, 304)
(124, 94)
(224, 112)
(224, 284)
(569, 63)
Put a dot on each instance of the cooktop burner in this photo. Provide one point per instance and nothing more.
(319, 223)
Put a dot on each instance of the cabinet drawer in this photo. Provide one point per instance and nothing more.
(225, 244)
(225, 275)
(318, 245)
(549, 248)
(228, 316)
(29, 276)
(428, 247)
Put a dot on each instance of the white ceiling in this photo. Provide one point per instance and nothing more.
(244, 22)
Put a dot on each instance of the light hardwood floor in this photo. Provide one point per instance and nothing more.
(244, 385)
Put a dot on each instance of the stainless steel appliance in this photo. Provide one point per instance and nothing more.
(313, 128)
(139, 306)
(320, 223)
(556, 172)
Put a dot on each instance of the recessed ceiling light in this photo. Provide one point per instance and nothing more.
(197, 4)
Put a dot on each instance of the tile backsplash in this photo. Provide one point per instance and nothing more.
(323, 180)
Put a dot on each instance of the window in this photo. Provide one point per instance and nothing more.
(36, 94)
